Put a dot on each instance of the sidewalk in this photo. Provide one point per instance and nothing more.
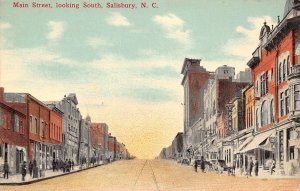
(263, 174)
(17, 178)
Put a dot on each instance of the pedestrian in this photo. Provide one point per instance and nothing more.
(53, 165)
(72, 164)
(195, 165)
(250, 166)
(233, 167)
(24, 170)
(69, 165)
(202, 165)
(6, 169)
(30, 168)
(273, 165)
(256, 167)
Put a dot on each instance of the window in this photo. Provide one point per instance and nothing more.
(31, 124)
(264, 83)
(1, 118)
(271, 112)
(297, 97)
(264, 114)
(42, 128)
(16, 123)
(1, 151)
(283, 71)
(288, 65)
(279, 73)
(35, 125)
(281, 104)
(256, 120)
(287, 101)
(21, 127)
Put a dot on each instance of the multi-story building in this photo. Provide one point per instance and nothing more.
(217, 92)
(13, 136)
(71, 124)
(111, 148)
(275, 76)
(194, 78)
(177, 145)
(44, 126)
(85, 141)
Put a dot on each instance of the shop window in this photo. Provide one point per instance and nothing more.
(292, 154)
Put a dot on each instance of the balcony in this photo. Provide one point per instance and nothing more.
(295, 72)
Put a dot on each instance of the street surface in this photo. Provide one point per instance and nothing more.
(144, 175)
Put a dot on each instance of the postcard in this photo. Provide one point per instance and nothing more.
(149, 95)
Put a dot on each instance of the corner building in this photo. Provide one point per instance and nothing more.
(275, 67)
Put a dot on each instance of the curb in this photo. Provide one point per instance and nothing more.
(46, 178)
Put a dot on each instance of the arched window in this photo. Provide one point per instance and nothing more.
(283, 71)
(271, 112)
(264, 114)
(279, 73)
(288, 65)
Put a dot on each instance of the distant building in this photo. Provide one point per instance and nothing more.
(71, 124)
(194, 76)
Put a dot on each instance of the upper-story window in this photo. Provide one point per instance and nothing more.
(297, 97)
(279, 72)
(271, 111)
(288, 65)
(287, 101)
(283, 71)
(16, 123)
(264, 114)
(256, 119)
(264, 84)
(1, 121)
(281, 106)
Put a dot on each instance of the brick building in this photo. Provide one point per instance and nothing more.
(44, 127)
(275, 75)
(194, 77)
(13, 136)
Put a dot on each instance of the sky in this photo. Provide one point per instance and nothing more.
(124, 64)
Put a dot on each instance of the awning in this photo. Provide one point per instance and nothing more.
(212, 149)
(245, 143)
(257, 140)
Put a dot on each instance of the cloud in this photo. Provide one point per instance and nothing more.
(174, 27)
(96, 42)
(248, 39)
(117, 19)
(56, 30)
(5, 25)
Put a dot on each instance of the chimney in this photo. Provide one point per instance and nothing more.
(278, 17)
(1, 93)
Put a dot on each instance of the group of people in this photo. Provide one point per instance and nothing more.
(202, 164)
(65, 166)
(32, 169)
(6, 170)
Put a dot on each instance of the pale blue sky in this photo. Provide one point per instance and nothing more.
(127, 58)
